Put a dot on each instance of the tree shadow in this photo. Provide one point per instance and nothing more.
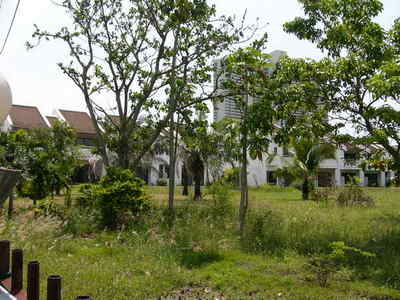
(197, 259)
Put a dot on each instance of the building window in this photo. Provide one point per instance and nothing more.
(349, 155)
(275, 150)
(163, 171)
(285, 151)
(271, 177)
(158, 149)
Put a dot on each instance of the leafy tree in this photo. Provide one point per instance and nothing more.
(228, 132)
(361, 71)
(247, 69)
(47, 158)
(308, 152)
(137, 51)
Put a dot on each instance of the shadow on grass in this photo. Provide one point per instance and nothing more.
(193, 260)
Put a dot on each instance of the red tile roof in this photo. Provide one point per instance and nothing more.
(80, 121)
(26, 117)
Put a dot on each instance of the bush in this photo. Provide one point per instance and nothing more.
(117, 198)
(79, 223)
(231, 176)
(326, 265)
(265, 233)
(86, 200)
(162, 182)
(220, 196)
(50, 208)
(322, 195)
(354, 196)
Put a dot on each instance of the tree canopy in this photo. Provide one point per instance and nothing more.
(361, 71)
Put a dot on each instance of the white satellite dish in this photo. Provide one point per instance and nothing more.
(5, 98)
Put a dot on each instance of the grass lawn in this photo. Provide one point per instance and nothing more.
(202, 257)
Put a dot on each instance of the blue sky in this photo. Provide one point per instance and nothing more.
(36, 80)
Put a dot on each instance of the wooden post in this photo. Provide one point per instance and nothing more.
(4, 257)
(17, 271)
(11, 204)
(54, 287)
(33, 287)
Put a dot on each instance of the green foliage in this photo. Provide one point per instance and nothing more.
(162, 182)
(50, 208)
(47, 158)
(231, 176)
(134, 50)
(79, 223)
(221, 199)
(248, 77)
(354, 195)
(359, 80)
(86, 198)
(264, 233)
(322, 195)
(326, 265)
(118, 198)
(197, 257)
(309, 152)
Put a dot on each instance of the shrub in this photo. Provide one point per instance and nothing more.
(162, 182)
(86, 200)
(50, 208)
(220, 197)
(322, 195)
(265, 233)
(354, 196)
(79, 223)
(231, 176)
(326, 265)
(117, 198)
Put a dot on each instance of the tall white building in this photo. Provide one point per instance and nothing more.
(228, 108)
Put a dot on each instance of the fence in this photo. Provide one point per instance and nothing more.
(12, 282)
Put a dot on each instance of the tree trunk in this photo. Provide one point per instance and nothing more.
(172, 163)
(185, 181)
(11, 204)
(68, 197)
(197, 186)
(244, 197)
(8, 180)
(305, 189)
(123, 153)
(198, 170)
(396, 180)
(172, 146)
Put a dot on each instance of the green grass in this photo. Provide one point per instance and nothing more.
(202, 254)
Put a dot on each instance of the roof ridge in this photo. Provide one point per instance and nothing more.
(29, 106)
(73, 111)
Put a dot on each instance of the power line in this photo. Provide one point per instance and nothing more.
(9, 29)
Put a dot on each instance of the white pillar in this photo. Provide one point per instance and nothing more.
(338, 177)
(381, 179)
(362, 178)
